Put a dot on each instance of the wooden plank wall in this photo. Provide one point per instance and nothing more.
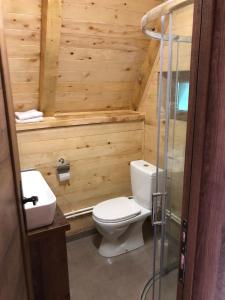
(22, 24)
(99, 156)
(182, 25)
(102, 50)
(102, 56)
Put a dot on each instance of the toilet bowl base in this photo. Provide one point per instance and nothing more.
(130, 240)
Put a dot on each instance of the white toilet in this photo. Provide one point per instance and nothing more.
(120, 220)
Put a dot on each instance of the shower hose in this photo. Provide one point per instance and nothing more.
(149, 283)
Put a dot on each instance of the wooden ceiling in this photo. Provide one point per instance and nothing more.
(95, 62)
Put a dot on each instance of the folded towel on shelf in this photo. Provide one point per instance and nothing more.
(33, 120)
(28, 115)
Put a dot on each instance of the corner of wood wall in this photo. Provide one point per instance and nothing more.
(145, 70)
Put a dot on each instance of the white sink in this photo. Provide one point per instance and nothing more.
(41, 214)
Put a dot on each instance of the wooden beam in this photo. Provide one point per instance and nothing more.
(50, 41)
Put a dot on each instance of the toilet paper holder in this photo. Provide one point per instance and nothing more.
(63, 170)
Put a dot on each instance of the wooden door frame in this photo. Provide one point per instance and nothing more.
(207, 79)
(13, 147)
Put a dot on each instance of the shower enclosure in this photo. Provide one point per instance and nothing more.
(172, 107)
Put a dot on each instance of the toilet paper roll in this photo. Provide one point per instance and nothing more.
(64, 177)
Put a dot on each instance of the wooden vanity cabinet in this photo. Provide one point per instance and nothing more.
(49, 260)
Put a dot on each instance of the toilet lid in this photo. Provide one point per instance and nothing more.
(116, 210)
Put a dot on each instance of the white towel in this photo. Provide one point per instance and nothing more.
(27, 115)
(33, 120)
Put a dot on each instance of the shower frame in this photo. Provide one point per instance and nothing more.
(168, 7)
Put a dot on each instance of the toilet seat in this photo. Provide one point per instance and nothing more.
(116, 210)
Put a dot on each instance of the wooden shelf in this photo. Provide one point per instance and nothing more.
(83, 118)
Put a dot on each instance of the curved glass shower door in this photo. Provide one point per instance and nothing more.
(173, 97)
(172, 124)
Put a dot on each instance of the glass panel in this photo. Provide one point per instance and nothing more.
(175, 158)
(173, 90)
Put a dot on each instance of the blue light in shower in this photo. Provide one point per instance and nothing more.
(183, 96)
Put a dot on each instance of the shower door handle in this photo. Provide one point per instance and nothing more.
(159, 208)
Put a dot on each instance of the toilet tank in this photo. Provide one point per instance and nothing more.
(143, 182)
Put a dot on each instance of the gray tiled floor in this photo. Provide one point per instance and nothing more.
(93, 277)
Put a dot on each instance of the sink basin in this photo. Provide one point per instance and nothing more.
(41, 214)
